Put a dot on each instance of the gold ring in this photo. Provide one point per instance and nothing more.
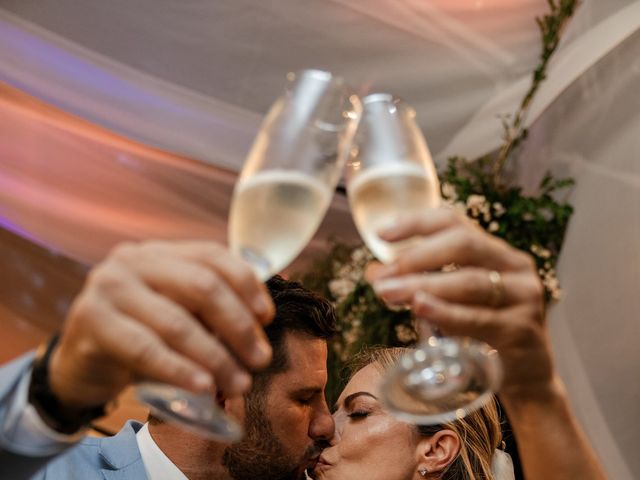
(496, 294)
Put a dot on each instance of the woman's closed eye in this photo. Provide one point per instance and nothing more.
(358, 414)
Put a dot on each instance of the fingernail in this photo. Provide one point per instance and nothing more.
(423, 303)
(387, 285)
(260, 305)
(387, 229)
(388, 270)
(241, 382)
(202, 381)
(262, 352)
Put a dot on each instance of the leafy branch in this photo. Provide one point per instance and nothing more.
(551, 27)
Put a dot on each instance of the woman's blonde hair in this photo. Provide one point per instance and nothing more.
(479, 431)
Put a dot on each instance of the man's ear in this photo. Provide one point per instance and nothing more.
(234, 407)
(437, 452)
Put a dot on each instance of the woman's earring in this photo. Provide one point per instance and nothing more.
(423, 472)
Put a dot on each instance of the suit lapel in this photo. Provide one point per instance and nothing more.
(135, 471)
(120, 455)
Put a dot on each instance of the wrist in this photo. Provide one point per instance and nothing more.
(60, 415)
(542, 394)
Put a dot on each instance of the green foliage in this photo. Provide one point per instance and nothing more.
(535, 224)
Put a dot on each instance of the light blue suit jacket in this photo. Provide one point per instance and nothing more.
(112, 458)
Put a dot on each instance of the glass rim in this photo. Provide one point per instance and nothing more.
(318, 74)
(395, 100)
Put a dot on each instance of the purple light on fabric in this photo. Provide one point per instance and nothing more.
(73, 70)
(21, 232)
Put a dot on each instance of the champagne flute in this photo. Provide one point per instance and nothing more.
(279, 200)
(391, 172)
(292, 170)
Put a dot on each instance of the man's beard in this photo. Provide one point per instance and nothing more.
(260, 455)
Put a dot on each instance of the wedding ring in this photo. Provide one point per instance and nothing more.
(496, 294)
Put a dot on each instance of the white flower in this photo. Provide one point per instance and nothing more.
(405, 334)
(351, 336)
(358, 255)
(493, 227)
(477, 204)
(449, 192)
(541, 252)
(498, 209)
(340, 288)
(551, 283)
(476, 201)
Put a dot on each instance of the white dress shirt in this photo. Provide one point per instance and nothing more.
(156, 463)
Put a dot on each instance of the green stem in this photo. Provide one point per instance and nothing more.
(551, 28)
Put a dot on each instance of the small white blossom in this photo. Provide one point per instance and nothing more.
(449, 192)
(541, 252)
(476, 201)
(405, 334)
(351, 336)
(551, 284)
(358, 255)
(477, 205)
(340, 288)
(493, 227)
(498, 209)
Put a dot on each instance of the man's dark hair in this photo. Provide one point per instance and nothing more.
(298, 310)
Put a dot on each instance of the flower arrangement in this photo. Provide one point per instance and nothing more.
(480, 189)
(535, 224)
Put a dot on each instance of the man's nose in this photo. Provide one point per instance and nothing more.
(322, 426)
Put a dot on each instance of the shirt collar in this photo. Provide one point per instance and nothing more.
(156, 463)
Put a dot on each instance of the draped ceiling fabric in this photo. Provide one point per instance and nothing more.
(128, 120)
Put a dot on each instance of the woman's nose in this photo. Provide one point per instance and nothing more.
(338, 420)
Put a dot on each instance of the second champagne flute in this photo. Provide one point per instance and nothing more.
(391, 173)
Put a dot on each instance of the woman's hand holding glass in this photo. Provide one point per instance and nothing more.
(461, 302)
(391, 173)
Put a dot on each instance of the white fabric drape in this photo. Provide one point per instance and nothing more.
(184, 85)
(591, 133)
(214, 67)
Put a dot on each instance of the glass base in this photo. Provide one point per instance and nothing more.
(198, 413)
(442, 380)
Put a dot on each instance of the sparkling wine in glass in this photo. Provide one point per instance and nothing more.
(292, 170)
(279, 200)
(391, 173)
